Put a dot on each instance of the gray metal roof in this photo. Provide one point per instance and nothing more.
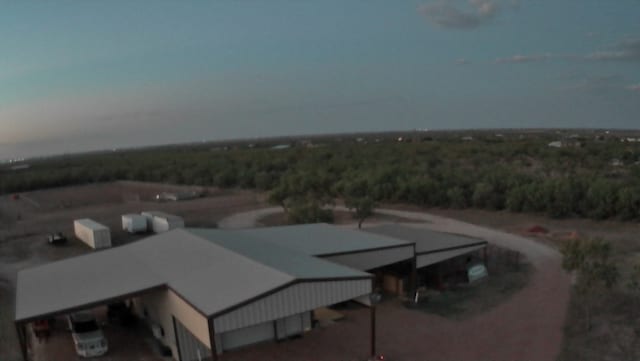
(79, 281)
(321, 239)
(428, 259)
(427, 241)
(286, 260)
(184, 260)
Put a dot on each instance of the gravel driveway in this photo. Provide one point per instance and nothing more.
(528, 326)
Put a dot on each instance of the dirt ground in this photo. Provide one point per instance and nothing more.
(623, 235)
(615, 334)
(25, 221)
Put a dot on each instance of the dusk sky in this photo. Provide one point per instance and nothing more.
(85, 75)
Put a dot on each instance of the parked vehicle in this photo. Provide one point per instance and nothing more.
(119, 312)
(41, 329)
(56, 238)
(88, 338)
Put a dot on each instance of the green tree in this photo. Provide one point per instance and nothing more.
(628, 206)
(595, 270)
(633, 285)
(308, 210)
(601, 199)
(457, 198)
(363, 207)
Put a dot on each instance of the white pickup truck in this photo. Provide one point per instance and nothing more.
(87, 336)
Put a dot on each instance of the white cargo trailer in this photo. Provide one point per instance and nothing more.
(161, 222)
(134, 223)
(92, 233)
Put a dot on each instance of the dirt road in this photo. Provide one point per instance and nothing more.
(528, 326)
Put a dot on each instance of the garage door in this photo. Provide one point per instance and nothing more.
(293, 325)
(189, 347)
(248, 335)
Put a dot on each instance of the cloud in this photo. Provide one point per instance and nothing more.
(634, 88)
(462, 61)
(599, 85)
(627, 50)
(521, 59)
(444, 14)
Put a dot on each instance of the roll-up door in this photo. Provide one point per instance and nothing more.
(189, 347)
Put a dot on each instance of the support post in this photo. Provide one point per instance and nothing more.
(22, 338)
(414, 272)
(212, 339)
(373, 331)
(484, 256)
(374, 298)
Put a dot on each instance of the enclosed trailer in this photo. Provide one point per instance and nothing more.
(161, 222)
(92, 233)
(134, 223)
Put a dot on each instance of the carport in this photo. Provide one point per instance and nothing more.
(204, 291)
(431, 247)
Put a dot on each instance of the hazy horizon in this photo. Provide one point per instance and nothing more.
(79, 76)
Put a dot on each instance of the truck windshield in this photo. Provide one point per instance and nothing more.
(86, 326)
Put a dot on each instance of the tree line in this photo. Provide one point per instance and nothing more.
(519, 175)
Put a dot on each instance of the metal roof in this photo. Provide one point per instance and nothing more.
(321, 239)
(286, 260)
(427, 241)
(183, 260)
(428, 259)
(81, 280)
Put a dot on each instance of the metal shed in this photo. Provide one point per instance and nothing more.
(160, 222)
(94, 234)
(208, 290)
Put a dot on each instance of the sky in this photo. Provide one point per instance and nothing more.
(89, 75)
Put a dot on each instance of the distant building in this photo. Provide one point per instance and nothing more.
(178, 196)
(281, 146)
(616, 162)
(20, 167)
(565, 144)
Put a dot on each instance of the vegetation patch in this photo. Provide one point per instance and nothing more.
(593, 178)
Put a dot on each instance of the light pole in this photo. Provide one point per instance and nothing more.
(375, 298)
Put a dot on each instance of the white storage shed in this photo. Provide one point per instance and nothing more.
(160, 222)
(211, 292)
(134, 223)
(92, 233)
